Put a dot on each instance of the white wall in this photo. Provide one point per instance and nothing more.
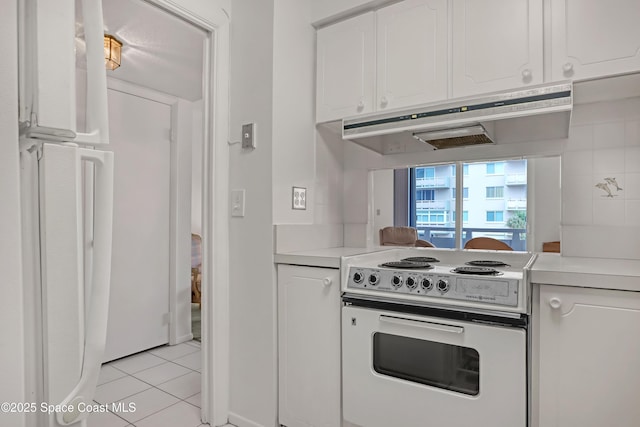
(382, 201)
(196, 168)
(544, 201)
(293, 110)
(252, 296)
(12, 369)
(604, 143)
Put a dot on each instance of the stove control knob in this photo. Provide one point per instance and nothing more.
(443, 285)
(358, 277)
(426, 284)
(396, 281)
(374, 278)
(412, 283)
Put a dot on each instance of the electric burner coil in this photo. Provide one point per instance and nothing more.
(427, 259)
(481, 271)
(406, 264)
(487, 263)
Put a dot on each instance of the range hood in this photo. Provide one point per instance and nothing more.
(536, 113)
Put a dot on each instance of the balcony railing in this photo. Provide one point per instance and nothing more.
(433, 204)
(516, 179)
(516, 204)
(438, 182)
(444, 237)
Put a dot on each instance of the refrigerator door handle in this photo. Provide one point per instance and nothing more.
(97, 122)
(96, 322)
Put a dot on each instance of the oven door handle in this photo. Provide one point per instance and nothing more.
(422, 324)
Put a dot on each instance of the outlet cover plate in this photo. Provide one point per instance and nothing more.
(299, 198)
(237, 203)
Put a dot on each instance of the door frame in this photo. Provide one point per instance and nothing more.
(215, 195)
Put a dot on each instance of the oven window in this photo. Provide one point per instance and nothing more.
(445, 366)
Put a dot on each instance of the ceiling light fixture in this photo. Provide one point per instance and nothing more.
(112, 52)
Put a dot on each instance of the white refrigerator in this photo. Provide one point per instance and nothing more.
(67, 204)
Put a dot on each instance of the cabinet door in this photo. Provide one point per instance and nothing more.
(497, 44)
(345, 68)
(411, 53)
(592, 38)
(309, 346)
(589, 357)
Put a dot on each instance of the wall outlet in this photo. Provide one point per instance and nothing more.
(237, 203)
(299, 198)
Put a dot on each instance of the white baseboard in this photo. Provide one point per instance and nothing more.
(239, 421)
(184, 338)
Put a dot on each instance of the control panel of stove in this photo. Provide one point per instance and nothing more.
(485, 289)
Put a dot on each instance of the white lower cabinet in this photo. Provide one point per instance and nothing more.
(309, 346)
(589, 357)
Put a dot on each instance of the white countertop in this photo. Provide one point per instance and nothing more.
(601, 273)
(328, 257)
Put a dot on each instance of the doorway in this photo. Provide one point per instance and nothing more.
(213, 23)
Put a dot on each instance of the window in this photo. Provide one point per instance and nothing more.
(465, 193)
(495, 192)
(496, 168)
(495, 216)
(425, 195)
(422, 173)
(429, 217)
(492, 204)
(465, 215)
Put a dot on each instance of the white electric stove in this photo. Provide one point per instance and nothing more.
(435, 337)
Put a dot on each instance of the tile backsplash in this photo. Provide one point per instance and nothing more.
(601, 181)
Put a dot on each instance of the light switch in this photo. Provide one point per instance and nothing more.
(299, 198)
(237, 203)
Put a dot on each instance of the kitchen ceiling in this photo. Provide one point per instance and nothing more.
(160, 52)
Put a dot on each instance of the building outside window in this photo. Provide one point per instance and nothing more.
(495, 216)
(495, 192)
(495, 168)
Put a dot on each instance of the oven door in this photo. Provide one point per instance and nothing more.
(415, 371)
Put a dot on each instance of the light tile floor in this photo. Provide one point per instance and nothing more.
(163, 383)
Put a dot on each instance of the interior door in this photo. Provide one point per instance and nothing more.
(139, 304)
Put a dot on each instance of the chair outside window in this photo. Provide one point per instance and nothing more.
(487, 243)
(402, 236)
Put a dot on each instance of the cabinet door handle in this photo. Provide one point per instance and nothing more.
(526, 74)
(384, 101)
(422, 324)
(326, 282)
(361, 105)
(555, 303)
(567, 69)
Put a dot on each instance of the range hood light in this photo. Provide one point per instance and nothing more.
(449, 133)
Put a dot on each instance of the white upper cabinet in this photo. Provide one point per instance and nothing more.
(497, 44)
(346, 68)
(593, 38)
(411, 53)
